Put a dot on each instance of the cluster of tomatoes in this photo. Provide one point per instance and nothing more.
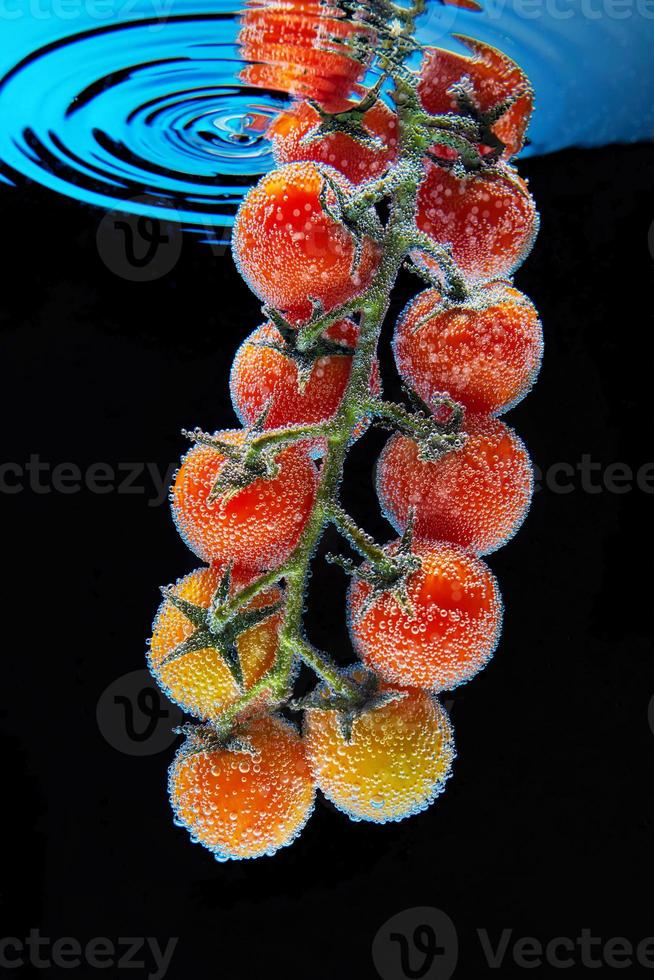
(387, 754)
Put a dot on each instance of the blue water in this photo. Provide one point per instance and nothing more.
(137, 103)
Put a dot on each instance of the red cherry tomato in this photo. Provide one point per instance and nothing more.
(488, 218)
(484, 352)
(353, 158)
(290, 250)
(476, 496)
(446, 636)
(264, 377)
(494, 78)
(255, 527)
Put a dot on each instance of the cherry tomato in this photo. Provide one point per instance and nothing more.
(246, 801)
(265, 377)
(354, 158)
(290, 250)
(494, 79)
(488, 218)
(255, 527)
(449, 630)
(201, 681)
(395, 763)
(476, 497)
(484, 352)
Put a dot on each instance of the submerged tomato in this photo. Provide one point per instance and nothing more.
(356, 160)
(445, 635)
(244, 802)
(492, 79)
(395, 763)
(484, 352)
(201, 681)
(266, 378)
(290, 250)
(477, 496)
(489, 219)
(255, 527)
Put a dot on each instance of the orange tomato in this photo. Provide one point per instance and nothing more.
(288, 249)
(353, 158)
(488, 218)
(248, 802)
(265, 378)
(494, 77)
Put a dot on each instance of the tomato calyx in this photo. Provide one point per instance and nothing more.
(436, 433)
(214, 631)
(254, 458)
(366, 695)
(304, 359)
(361, 224)
(383, 571)
(207, 738)
(348, 121)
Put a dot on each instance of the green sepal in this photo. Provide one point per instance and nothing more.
(366, 697)
(303, 359)
(206, 737)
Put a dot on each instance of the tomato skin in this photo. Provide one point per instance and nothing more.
(396, 764)
(288, 249)
(485, 352)
(256, 527)
(353, 159)
(489, 219)
(241, 805)
(200, 682)
(494, 77)
(476, 497)
(454, 630)
(299, 48)
(263, 377)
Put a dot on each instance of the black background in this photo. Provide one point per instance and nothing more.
(546, 827)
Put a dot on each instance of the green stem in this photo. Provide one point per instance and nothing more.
(363, 543)
(224, 613)
(323, 666)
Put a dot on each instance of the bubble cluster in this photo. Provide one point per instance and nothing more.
(484, 352)
(294, 138)
(477, 496)
(244, 801)
(289, 250)
(201, 681)
(489, 219)
(264, 377)
(396, 762)
(444, 632)
(255, 526)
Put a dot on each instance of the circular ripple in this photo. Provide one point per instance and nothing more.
(149, 110)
